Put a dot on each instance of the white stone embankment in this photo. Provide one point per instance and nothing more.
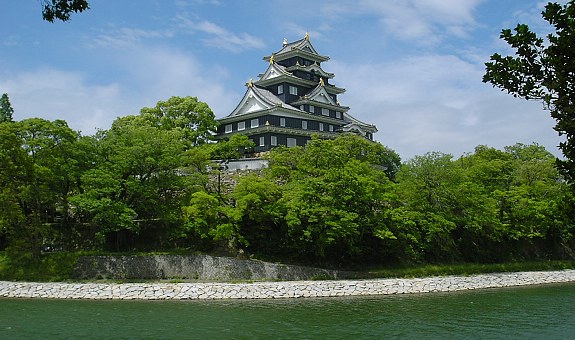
(268, 290)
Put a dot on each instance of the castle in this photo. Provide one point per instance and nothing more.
(291, 101)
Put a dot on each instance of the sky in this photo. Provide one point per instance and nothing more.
(411, 67)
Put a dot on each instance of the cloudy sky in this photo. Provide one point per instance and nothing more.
(411, 67)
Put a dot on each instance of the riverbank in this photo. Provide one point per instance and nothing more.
(269, 290)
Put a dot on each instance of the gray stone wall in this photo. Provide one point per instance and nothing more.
(194, 268)
(275, 290)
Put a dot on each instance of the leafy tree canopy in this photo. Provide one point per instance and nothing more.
(62, 9)
(543, 69)
(193, 117)
(6, 110)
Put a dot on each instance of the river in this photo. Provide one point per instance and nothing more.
(534, 312)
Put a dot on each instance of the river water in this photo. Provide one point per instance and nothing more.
(535, 312)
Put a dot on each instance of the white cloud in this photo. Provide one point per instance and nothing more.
(152, 75)
(219, 37)
(121, 37)
(438, 103)
(157, 74)
(424, 21)
(53, 94)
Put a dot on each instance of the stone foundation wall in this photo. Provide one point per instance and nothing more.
(268, 290)
(194, 268)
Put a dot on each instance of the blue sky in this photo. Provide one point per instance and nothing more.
(411, 67)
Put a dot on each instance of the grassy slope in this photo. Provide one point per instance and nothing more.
(59, 267)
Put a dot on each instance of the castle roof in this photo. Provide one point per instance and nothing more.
(289, 94)
(258, 99)
(302, 47)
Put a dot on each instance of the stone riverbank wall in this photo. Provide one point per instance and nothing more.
(199, 268)
(268, 290)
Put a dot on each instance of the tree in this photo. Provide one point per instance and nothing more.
(6, 110)
(235, 147)
(544, 70)
(429, 187)
(335, 198)
(192, 117)
(135, 186)
(44, 180)
(13, 174)
(62, 9)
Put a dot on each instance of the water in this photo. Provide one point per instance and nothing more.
(540, 312)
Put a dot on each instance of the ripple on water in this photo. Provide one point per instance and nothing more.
(528, 312)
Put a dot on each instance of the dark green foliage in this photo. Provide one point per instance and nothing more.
(326, 202)
(489, 206)
(6, 110)
(543, 69)
(193, 118)
(62, 9)
(150, 183)
(47, 267)
(332, 202)
(237, 146)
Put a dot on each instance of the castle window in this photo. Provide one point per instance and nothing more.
(282, 121)
(228, 128)
(330, 128)
(280, 89)
(262, 141)
(291, 142)
(325, 111)
(320, 126)
(304, 124)
(241, 126)
(273, 140)
(255, 123)
(293, 90)
(338, 115)
(311, 109)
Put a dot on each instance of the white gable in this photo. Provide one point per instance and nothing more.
(322, 96)
(250, 103)
(273, 74)
(273, 71)
(306, 46)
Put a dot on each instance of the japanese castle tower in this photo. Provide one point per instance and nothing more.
(291, 101)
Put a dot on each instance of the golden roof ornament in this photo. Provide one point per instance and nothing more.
(307, 36)
(251, 83)
(321, 83)
(272, 59)
(285, 42)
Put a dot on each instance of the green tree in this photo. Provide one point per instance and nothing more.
(336, 197)
(136, 187)
(482, 230)
(62, 9)
(192, 117)
(429, 188)
(46, 180)
(207, 217)
(535, 213)
(14, 169)
(543, 69)
(326, 202)
(6, 110)
(237, 146)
